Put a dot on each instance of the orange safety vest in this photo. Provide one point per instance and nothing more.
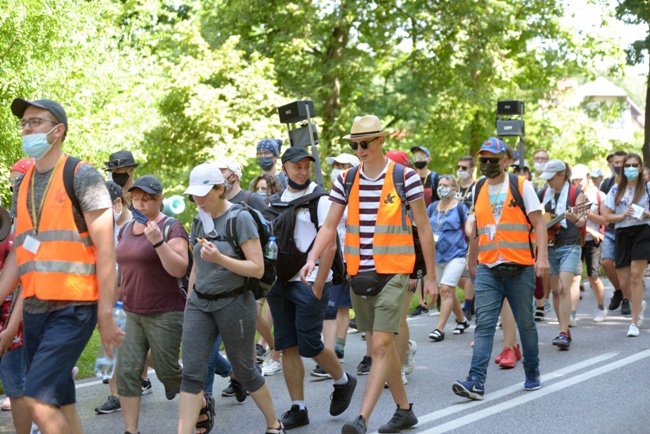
(64, 266)
(392, 247)
(511, 237)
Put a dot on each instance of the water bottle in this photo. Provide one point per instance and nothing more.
(104, 365)
(271, 250)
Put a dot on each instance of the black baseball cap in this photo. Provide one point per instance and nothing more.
(19, 105)
(114, 189)
(120, 159)
(295, 154)
(149, 184)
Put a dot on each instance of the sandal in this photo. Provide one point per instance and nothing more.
(279, 430)
(461, 327)
(436, 335)
(208, 411)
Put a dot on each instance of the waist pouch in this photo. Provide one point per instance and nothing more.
(369, 283)
(509, 269)
(212, 297)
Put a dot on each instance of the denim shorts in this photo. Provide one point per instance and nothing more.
(13, 369)
(53, 343)
(609, 246)
(339, 298)
(564, 258)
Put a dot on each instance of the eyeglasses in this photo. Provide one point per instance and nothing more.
(32, 122)
(635, 165)
(116, 164)
(492, 160)
(463, 168)
(364, 144)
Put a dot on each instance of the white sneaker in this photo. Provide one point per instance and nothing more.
(572, 321)
(35, 429)
(600, 315)
(271, 367)
(409, 361)
(642, 313)
(633, 331)
(404, 380)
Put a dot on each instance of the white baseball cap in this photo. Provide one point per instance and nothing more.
(230, 164)
(343, 159)
(579, 171)
(202, 178)
(551, 168)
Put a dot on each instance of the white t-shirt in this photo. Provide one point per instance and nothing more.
(625, 203)
(596, 197)
(305, 231)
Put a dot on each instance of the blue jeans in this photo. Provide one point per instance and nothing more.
(492, 286)
(217, 365)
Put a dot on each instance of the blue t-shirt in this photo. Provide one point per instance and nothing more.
(449, 231)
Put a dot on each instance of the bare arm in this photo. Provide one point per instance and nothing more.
(252, 266)
(611, 217)
(9, 278)
(172, 254)
(9, 333)
(472, 252)
(541, 263)
(325, 237)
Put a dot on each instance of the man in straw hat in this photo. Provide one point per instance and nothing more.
(387, 254)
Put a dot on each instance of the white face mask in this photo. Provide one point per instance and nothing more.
(117, 215)
(335, 174)
(539, 167)
(462, 174)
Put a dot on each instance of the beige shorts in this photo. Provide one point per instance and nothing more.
(383, 311)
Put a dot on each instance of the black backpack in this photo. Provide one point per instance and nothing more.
(263, 285)
(290, 258)
(183, 282)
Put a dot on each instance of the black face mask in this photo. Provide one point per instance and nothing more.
(298, 186)
(120, 178)
(265, 163)
(490, 171)
(420, 164)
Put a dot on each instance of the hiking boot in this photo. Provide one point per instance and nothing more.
(616, 300)
(363, 368)
(470, 388)
(532, 380)
(320, 373)
(146, 386)
(357, 426)
(400, 420)
(409, 360)
(111, 405)
(342, 396)
(235, 389)
(625, 307)
(295, 417)
(419, 310)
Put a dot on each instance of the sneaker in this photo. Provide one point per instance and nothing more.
(35, 429)
(625, 307)
(508, 358)
(357, 426)
(616, 300)
(6, 405)
(633, 331)
(235, 389)
(572, 321)
(532, 380)
(146, 386)
(539, 314)
(461, 327)
(437, 335)
(547, 305)
(600, 315)
(409, 360)
(260, 353)
(340, 354)
(171, 395)
(75, 373)
(320, 373)
(405, 380)
(419, 310)
(295, 417)
(363, 368)
(563, 342)
(557, 338)
(111, 405)
(467, 314)
(271, 367)
(400, 420)
(342, 395)
(642, 313)
(471, 389)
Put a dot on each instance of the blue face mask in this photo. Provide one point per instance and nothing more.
(631, 173)
(36, 145)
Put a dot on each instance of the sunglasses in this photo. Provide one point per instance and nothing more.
(635, 165)
(463, 168)
(492, 160)
(364, 144)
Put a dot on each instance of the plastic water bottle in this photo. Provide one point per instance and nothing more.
(271, 249)
(104, 365)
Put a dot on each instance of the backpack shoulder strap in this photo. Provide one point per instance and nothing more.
(69, 169)
(167, 227)
(399, 181)
(124, 227)
(231, 229)
(247, 196)
(350, 176)
(573, 194)
(477, 190)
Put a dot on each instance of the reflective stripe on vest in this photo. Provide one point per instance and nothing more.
(64, 267)
(393, 251)
(511, 237)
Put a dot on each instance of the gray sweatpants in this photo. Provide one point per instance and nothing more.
(236, 323)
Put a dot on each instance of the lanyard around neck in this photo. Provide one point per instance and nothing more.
(36, 215)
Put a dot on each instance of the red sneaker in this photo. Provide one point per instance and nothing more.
(498, 358)
(508, 358)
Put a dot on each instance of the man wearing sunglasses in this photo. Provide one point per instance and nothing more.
(64, 258)
(377, 244)
(120, 167)
(501, 259)
(429, 178)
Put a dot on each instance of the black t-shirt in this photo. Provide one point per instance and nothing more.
(565, 236)
(430, 184)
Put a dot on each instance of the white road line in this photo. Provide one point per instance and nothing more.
(476, 416)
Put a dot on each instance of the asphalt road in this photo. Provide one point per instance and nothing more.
(601, 385)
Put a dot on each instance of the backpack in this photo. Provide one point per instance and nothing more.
(573, 194)
(419, 270)
(283, 217)
(69, 169)
(183, 282)
(517, 201)
(263, 285)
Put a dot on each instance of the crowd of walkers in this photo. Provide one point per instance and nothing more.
(513, 240)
